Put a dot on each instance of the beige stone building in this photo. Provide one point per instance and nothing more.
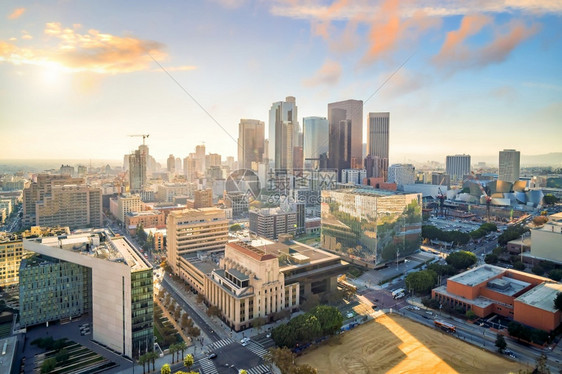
(193, 230)
(120, 205)
(248, 285)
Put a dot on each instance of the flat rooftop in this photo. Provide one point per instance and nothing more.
(477, 275)
(98, 243)
(372, 191)
(7, 359)
(205, 265)
(507, 286)
(542, 296)
(295, 249)
(480, 301)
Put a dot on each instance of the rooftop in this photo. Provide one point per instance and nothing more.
(250, 250)
(507, 286)
(98, 243)
(477, 275)
(366, 191)
(205, 264)
(480, 301)
(542, 296)
(8, 345)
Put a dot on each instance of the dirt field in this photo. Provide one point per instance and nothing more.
(393, 344)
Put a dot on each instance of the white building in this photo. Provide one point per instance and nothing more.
(509, 165)
(121, 205)
(402, 174)
(354, 176)
(546, 241)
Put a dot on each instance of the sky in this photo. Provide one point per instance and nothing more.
(474, 77)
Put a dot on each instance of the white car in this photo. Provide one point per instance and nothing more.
(244, 340)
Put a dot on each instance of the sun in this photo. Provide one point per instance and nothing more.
(51, 75)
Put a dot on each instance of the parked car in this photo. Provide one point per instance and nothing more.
(212, 355)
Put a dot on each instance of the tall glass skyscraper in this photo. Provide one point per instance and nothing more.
(284, 133)
(346, 134)
(250, 142)
(316, 140)
(509, 165)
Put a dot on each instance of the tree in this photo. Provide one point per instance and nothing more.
(258, 323)
(540, 220)
(303, 369)
(500, 343)
(152, 356)
(143, 360)
(518, 265)
(48, 365)
(168, 299)
(461, 259)
(310, 302)
(491, 259)
(173, 349)
(542, 367)
(188, 361)
(470, 314)
(555, 274)
(182, 347)
(550, 199)
(62, 356)
(177, 313)
(184, 321)
(242, 371)
(193, 331)
(537, 269)
(558, 301)
(213, 311)
(166, 369)
(235, 227)
(283, 358)
(330, 319)
(421, 281)
(200, 298)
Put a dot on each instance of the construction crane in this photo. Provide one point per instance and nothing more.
(488, 200)
(144, 136)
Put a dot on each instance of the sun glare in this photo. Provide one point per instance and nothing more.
(51, 76)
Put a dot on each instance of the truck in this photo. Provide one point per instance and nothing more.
(397, 292)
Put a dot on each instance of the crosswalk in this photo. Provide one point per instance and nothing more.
(220, 344)
(207, 366)
(261, 369)
(257, 349)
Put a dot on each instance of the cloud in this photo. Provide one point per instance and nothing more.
(329, 74)
(177, 68)
(230, 3)
(16, 13)
(456, 54)
(92, 51)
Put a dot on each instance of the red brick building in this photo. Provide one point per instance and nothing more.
(487, 289)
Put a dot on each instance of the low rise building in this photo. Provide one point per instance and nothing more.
(487, 289)
(546, 241)
(90, 271)
(148, 219)
(120, 205)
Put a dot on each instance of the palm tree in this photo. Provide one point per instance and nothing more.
(152, 356)
(182, 347)
(143, 360)
(188, 361)
(173, 349)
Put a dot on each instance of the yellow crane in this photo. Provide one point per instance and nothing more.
(144, 136)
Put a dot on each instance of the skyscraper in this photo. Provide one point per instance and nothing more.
(171, 164)
(316, 139)
(283, 133)
(200, 158)
(346, 133)
(251, 137)
(378, 140)
(509, 165)
(137, 169)
(458, 166)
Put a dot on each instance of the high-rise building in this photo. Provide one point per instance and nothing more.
(67, 170)
(378, 140)
(72, 205)
(171, 164)
(193, 230)
(283, 133)
(90, 272)
(372, 225)
(458, 166)
(11, 252)
(316, 134)
(200, 158)
(251, 137)
(376, 167)
(346, 134)
(190, 168)
(120, 205)
(203, 198)
(402, 174)
(354, 176)
(178, 165)
(509, 167)
(213, 160)
(271, 222)
(138, 169)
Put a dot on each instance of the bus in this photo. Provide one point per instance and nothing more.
(445, 326)
(398, 292)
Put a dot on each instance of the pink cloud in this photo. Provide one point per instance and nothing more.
(17, 13)
(329, 74)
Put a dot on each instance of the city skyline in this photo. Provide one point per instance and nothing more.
(78, 79)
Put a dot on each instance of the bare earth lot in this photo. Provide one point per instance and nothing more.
(393, 344)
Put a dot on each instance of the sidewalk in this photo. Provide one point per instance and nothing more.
(176, 325)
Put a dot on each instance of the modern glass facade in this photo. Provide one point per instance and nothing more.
(316, 137)
(371, 225)
(51, 289)
(142, 312)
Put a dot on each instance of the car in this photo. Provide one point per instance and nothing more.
(416, 307)
(244, 340)
(245, 343)
(349, 315)
(212, 355)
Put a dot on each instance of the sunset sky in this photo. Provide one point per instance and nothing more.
(78, 77)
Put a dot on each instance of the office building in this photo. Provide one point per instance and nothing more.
(378, 140)
(251, 137)
(376, 167)
(90, 272)
(441, 179)
(402, 174)
(41, 186)
(138, 169)
(178, 166)
(370, 225)
(353, 176)
(200, 158)
(66, 170)
(345, 119)
(546, 240)
(193, 230)
(509, 165)
(283, 133)
(72, 205)
(190, 168)
(167, 191)
(11, 253)
(213, 160)
(203, 198)
(171, 164)
(238, 202)
(271, 222)
(457, 166)
(316, 137)
(523, 297)
(147, 219)
(249, 285)
(120, 205)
